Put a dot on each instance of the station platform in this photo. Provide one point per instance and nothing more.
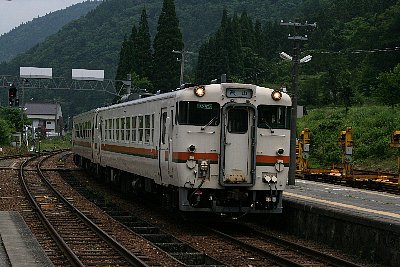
(379, 206)
(360, 222)
(18, 246)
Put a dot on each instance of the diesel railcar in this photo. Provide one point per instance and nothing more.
(220, 148)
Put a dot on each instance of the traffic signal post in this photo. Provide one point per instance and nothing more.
(13, 100)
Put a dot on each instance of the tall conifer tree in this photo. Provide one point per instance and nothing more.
(142, 48)
(166, 68)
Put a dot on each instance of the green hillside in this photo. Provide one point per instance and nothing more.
(95, 40)
(354, 47)
(25, 36)
(371, 127)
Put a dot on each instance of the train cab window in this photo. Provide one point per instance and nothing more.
(140, 132)
(277, 117)
(238, 121)
(134, 129)
(198, 113)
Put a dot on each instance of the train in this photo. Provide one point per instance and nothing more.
(220, 147)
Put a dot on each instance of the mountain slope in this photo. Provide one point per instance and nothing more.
(33, 32)
(94, 41)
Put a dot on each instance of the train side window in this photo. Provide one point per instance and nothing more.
(152, 128)
(117, 129)
(128, 129)
(105, 130)
(147, 130)
(110, 129)
(140, 132)
(122, 129)
(134, 129)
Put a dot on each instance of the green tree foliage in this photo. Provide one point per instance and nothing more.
(142, 49)
(16, 118)
(168, 38)
(371, 127)
(11, 120)
(33, 32)
(241, 49)
(354, 41)
(5, 132)
(389, 87)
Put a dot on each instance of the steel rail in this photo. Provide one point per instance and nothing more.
(285, 261)
(124, 252)
(72, 258)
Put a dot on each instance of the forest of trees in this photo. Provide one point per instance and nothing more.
(33, 32)
(153, 70)
(354, 47)
(357, 63)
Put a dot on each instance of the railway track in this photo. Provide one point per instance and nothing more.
(254, 248)
(391, 186)
(279, 250)
(81, 241)
(176, 249)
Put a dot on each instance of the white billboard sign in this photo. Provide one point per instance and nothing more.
(33, 72)
(87, 75)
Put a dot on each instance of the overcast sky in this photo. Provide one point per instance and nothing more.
(14, 12)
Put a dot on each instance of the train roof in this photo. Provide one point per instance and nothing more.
(212, 89)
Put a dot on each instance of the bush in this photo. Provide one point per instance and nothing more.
(5, 132)
(372, 127)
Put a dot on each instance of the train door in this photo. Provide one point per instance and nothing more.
(164, 151)
(97, 136)
(238, 145)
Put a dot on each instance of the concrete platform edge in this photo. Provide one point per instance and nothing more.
(372, 240)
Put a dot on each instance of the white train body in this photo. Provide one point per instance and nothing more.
(224, 151)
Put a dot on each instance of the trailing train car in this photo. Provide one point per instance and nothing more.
(216, 148)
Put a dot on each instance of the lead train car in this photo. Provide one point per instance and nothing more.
(216, 148)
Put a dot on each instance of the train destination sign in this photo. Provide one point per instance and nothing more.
(239, 93)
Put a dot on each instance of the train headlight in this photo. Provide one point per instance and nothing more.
(280, 151)
(276, 95)
(203, 165)
(199, 91)
(204, 169)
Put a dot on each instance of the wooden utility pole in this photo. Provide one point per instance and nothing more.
(295, 73)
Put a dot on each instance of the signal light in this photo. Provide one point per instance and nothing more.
(12, 91)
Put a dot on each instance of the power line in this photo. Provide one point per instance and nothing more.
(357, 51)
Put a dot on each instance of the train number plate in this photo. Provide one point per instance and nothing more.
(239, 93)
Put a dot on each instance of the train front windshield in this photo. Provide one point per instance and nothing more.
(198, 113)
(277, 117)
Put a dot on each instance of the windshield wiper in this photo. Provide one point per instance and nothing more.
(209, 123)
(269, 127)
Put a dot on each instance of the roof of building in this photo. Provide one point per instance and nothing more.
(41, 108)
